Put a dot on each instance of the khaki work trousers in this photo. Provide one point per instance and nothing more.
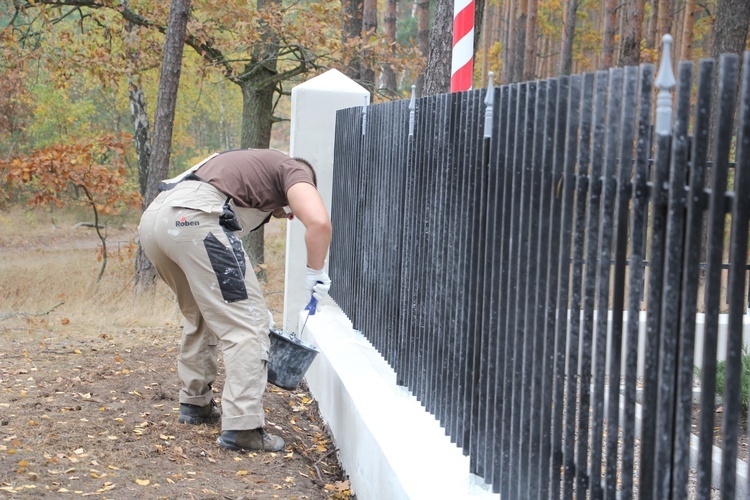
(219, 297)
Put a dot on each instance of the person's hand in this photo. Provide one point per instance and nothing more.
(317, 283)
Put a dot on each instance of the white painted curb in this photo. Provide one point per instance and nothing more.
(389, 446)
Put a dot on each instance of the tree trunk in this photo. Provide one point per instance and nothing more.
(566, 61)
(165, 107)
(478, 27)
(630, 53)
(530, 56)
(666, 18)
(438, 75)
(510, 34)
(257, 121)
(730, 27)
(487, 40)
(686, 48)
(423, 37)
(137, 99)
(389, 76)
(369, 25)
(653, 21)
(351, 28)
(518, 52)
(610, 30)
(142, 133)
(257, 113)
(167, 100)
(730, 37)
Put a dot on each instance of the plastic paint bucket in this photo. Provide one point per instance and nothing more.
(289, 359)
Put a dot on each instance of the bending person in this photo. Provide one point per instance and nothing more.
(190, 234)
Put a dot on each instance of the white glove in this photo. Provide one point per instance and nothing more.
(317, 283)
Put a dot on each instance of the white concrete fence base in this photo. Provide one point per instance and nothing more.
(388, 444)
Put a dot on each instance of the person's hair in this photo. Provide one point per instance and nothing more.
(312, 169)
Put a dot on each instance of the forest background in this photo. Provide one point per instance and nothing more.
(81, 108)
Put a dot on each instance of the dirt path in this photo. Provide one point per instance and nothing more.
(96, 414)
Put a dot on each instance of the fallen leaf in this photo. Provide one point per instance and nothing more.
(143, 482)
(342, 485)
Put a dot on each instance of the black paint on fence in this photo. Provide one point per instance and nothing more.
(496, 271)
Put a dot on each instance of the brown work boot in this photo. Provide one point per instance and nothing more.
(196, 415)
(253, 440)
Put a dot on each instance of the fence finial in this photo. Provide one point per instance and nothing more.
(489, 101)
(364, 115)
(412, 107)
(665, 81)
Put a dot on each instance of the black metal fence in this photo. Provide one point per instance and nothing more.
(485, 244)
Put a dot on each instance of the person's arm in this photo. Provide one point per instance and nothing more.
(308, 207)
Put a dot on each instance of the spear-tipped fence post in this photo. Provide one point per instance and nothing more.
(364, 115)
(665, 82)
(489, 102)
(412, 108)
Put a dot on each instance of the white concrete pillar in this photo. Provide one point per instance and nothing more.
(314, 106)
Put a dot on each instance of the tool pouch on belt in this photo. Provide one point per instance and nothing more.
(228, 219)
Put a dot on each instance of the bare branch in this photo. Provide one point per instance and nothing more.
(66, 14)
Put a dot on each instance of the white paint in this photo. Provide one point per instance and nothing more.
(313, 120)
(389, 446)
(463, 51)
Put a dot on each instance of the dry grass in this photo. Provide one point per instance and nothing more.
(48, 265)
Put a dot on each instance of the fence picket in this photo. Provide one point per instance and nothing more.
(590, 285)
(735, 293)
(638, 230)
(581, 198)
(738, 272)
(690, 273)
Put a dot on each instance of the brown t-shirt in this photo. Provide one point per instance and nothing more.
(254, 178)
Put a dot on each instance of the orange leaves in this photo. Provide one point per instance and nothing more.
(91, 172)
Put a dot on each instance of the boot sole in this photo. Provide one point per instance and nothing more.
(229, 446)
(196, 420)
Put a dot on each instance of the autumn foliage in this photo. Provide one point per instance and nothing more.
(90, 173)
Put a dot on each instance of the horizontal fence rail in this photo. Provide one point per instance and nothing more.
(491, 245)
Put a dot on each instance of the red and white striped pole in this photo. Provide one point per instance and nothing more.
(462, 61)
